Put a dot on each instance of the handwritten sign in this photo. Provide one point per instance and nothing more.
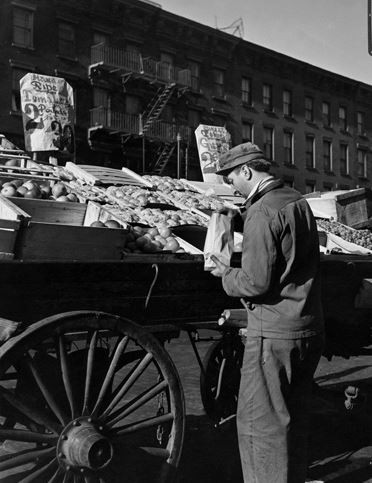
(48, 115)
(212, 141)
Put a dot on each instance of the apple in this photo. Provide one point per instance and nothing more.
(30, 184)
(22, 190)
(98, 224)
(72, 197)
(62, 199)
(59, 189)
(9, 190)
(112, 224)
(33, 193)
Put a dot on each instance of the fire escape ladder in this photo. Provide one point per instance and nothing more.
(157, 105)
(163, 158)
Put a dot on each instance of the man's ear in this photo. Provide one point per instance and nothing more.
(247, 172)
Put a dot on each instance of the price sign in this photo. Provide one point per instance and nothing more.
(48, 115)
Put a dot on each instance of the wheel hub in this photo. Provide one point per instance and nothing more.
(82, 445)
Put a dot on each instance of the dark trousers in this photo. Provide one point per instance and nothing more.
(273, 408)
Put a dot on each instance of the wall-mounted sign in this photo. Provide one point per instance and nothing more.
(48, 114)
(212, 141)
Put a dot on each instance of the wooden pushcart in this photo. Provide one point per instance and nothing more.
(87, 391)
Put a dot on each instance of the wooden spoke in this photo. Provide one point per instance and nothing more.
(66, 375)
(120, 348)
(32, 413)
(156, 451)
(144, 424)
(56, 477)
(40, 472)
(89, 373)
(136, 403)
(128, 382)
(24, 458)
(52, 403)
(27, 436)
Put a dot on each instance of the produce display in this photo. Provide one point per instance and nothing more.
(134, 196)
(362, 238)
(165, 183)
(37, 189)
(156, 217)
(145, 239)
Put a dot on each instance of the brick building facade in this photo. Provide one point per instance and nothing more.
(144, 79)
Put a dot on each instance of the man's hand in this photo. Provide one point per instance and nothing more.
(220, 266)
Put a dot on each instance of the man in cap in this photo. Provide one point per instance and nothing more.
(279, 280)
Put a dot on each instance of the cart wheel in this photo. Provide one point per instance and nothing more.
(92, 398)
(219, 382)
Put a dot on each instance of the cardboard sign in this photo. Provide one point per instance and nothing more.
(212, 141)
(48, 115)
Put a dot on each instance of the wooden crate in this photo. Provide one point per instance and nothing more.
(52, 230)
(352, 207)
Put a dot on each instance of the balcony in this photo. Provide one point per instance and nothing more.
(135, 64)
(101, 117)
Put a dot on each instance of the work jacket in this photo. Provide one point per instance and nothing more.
(279, 275)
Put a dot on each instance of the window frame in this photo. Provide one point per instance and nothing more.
(287, 103)
(67, 47)
(218, 83)
(288, 150)
(345, 160)
(267, 97)
(310, 154)
(251, 137)
(309, 109)
(327, 156)
(326, 116)
(342, 120)
(25, 29)
(246, 94)
(268, 148)
(16, 94)
(363, 173)
(194, 68)
(361, 123)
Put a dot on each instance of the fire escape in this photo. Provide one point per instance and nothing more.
(168, 80)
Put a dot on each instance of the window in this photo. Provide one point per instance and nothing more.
(219, 80)
(310, 152)
(66, 40)
(342, 117)
(287, 103)
(362, 163)
(166, 69)
(23, 27)
(310, 187)
(326, 114)
(247, 132)
(195, 75)
(246, 91)
(267, 97)
(288, 147)
(100, 38)
(344, 159)
(309, 109)
(360, 123)
(327, 156)
(268, 143)
(17, 75)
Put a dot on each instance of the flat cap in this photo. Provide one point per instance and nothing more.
(241, 154)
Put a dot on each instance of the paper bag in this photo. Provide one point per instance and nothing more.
(219, 240)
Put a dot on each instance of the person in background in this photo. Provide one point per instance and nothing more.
(279, 281)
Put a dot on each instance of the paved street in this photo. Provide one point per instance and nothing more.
(341, 440)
